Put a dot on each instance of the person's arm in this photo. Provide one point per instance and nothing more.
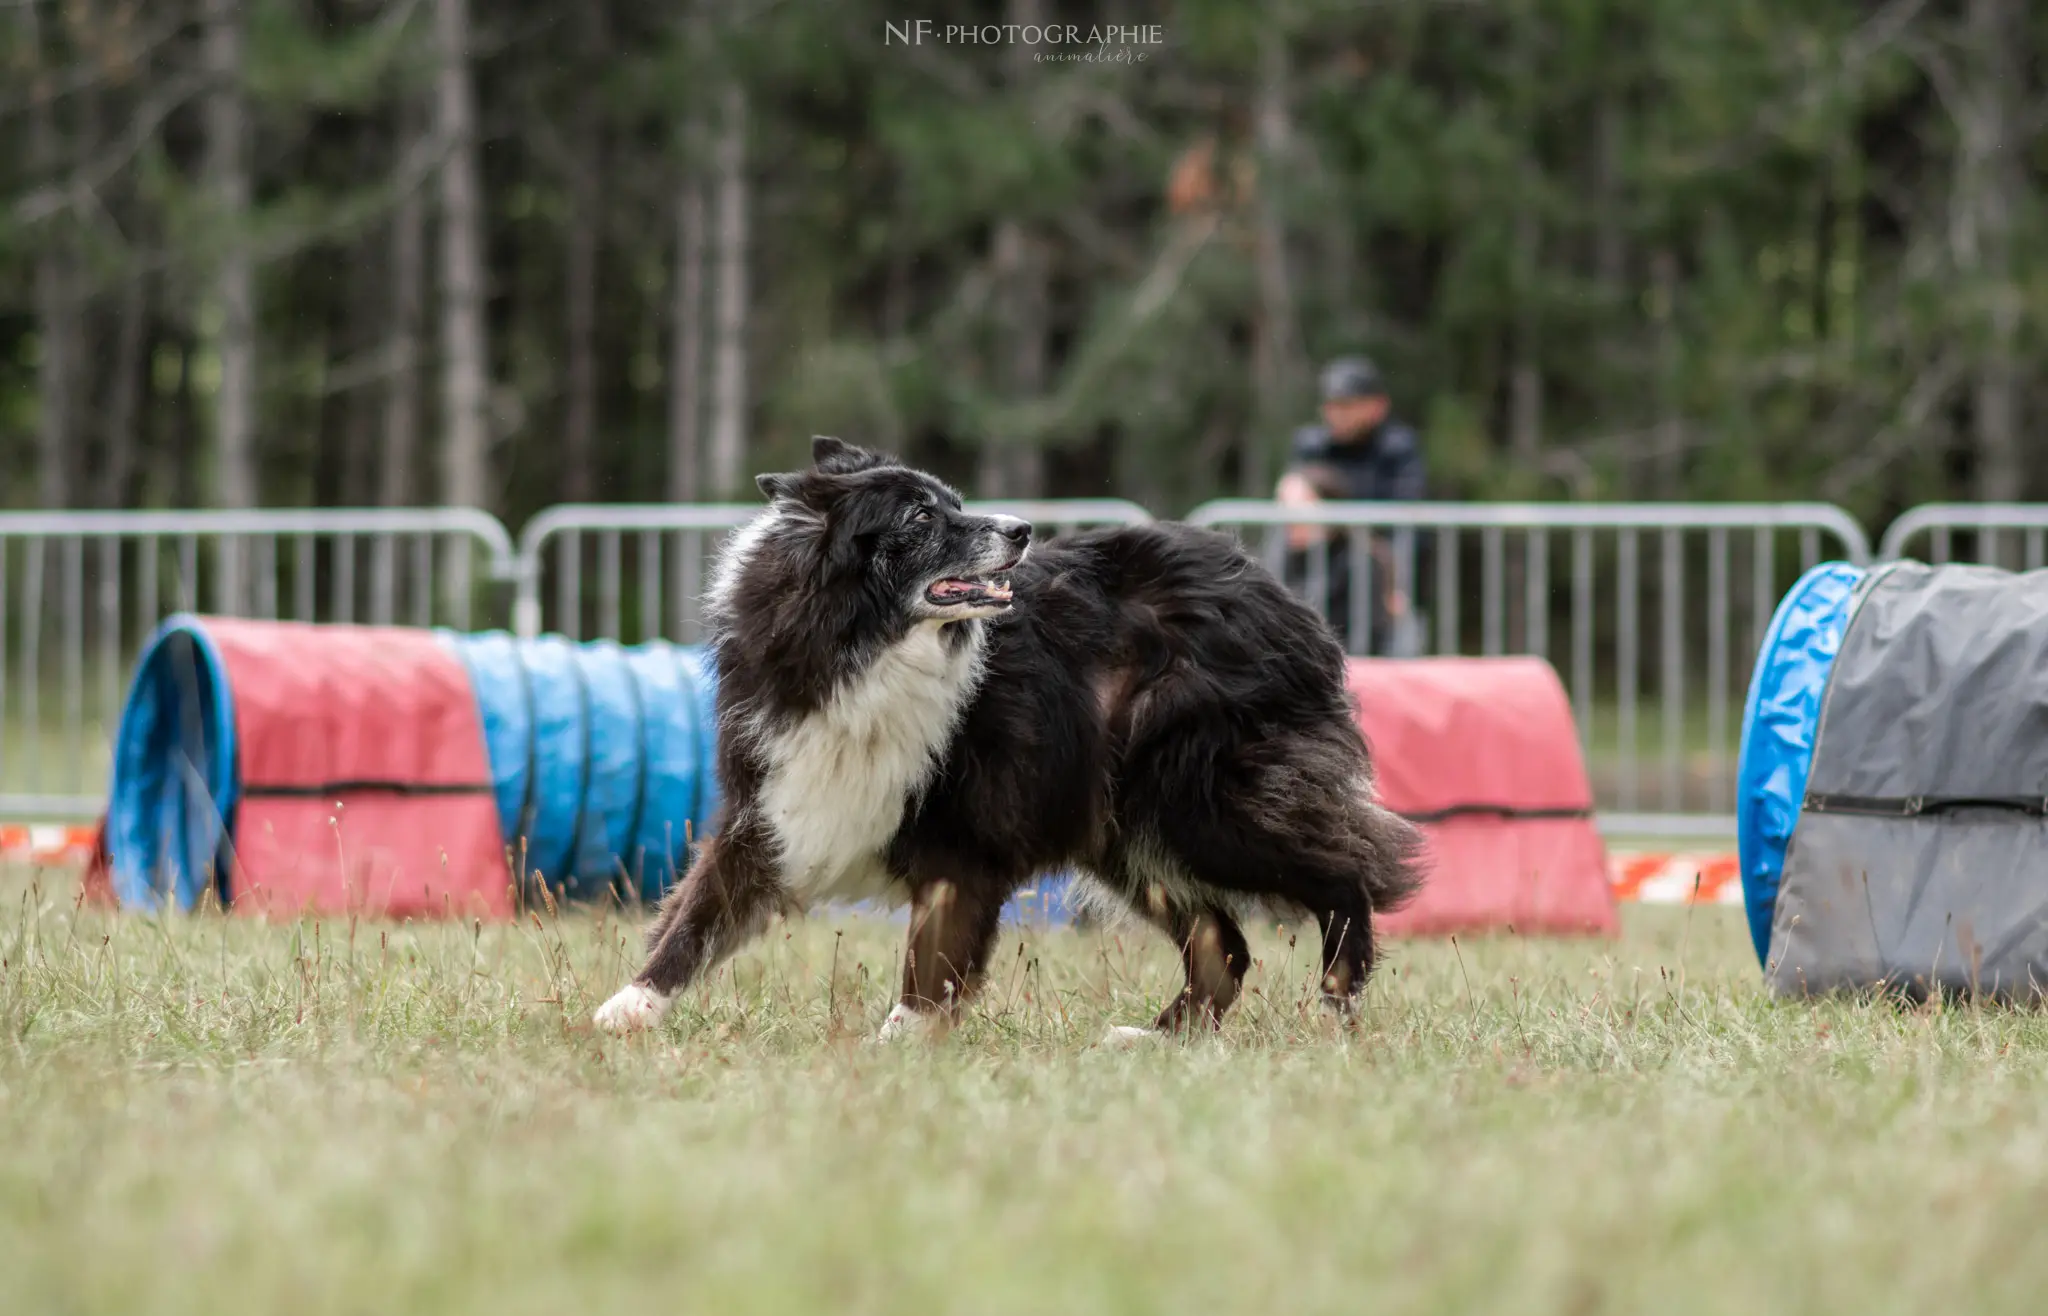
(1390, 586)
(1403, 478)
(1306, 482)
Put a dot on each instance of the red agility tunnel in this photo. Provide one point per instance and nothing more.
(1482, 753)
(292, 768)
(365, 783)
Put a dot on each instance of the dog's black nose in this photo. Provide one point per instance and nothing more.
(1016, 531)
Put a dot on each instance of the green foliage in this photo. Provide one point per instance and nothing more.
(291, 66)
(1737, 246)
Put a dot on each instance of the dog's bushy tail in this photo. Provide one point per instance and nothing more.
(1391, 862)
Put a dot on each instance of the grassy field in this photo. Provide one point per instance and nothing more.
(214, 1115)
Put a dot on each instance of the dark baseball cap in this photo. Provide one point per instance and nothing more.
(1351, 377)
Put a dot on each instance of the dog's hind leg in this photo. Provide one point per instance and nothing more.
(1349, 949)
(952, 929)
(723, 902)
(1214, 952)
(1328, 877)
(1212, 947)
(1382, 873)
(1295, 824)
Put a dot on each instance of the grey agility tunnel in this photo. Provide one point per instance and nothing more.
(1893, 786)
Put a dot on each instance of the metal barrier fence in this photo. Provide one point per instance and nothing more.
(1652, 612)
(1586, 616)
(1999, 534)
(81, 591)
(654, 587)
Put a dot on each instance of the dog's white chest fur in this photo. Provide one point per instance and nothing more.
(838, 781)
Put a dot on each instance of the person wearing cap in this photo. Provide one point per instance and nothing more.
(1359, 453)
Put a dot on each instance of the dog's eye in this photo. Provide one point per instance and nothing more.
(920, 513)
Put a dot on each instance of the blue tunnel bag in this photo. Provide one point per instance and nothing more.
(171, 803)
(602, 757)
(1779, 725)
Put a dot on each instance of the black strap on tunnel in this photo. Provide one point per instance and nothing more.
(571, 877)
(1921, 806)
(529, 804)
(639, 780)
(364, 786)
(687, 675)
(1511, 812)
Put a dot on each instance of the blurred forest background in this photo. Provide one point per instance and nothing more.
(508, 254)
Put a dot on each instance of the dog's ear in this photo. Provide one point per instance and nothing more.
(851, 531)
(773, 487)
(838, 457)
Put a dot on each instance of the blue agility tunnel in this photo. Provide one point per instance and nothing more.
(170, 810)
(1779, 726)
(602, 757)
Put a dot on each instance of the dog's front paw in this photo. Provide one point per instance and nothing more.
(904, 1024)
(1343, 1009)
(1125, 1037)
(634, 1007)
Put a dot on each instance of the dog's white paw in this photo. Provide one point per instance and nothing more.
(1124, 1037)
(905, 1023)
(634, 1007)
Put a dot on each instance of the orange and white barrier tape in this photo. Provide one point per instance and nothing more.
(46, 843)
(1676, 879)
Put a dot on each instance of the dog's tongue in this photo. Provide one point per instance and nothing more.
(958, 591)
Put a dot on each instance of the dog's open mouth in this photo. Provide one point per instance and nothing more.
(960, 592)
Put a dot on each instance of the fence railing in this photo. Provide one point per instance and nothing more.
(1652, 612)
(1999, 534)
(81, 591)
(650, 562)
(1575, 584)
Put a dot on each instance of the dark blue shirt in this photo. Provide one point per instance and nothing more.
(1386, 464)
(1382, 466)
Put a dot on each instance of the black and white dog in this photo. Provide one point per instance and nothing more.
(910, 707)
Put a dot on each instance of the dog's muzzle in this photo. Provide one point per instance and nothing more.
(990, 588)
